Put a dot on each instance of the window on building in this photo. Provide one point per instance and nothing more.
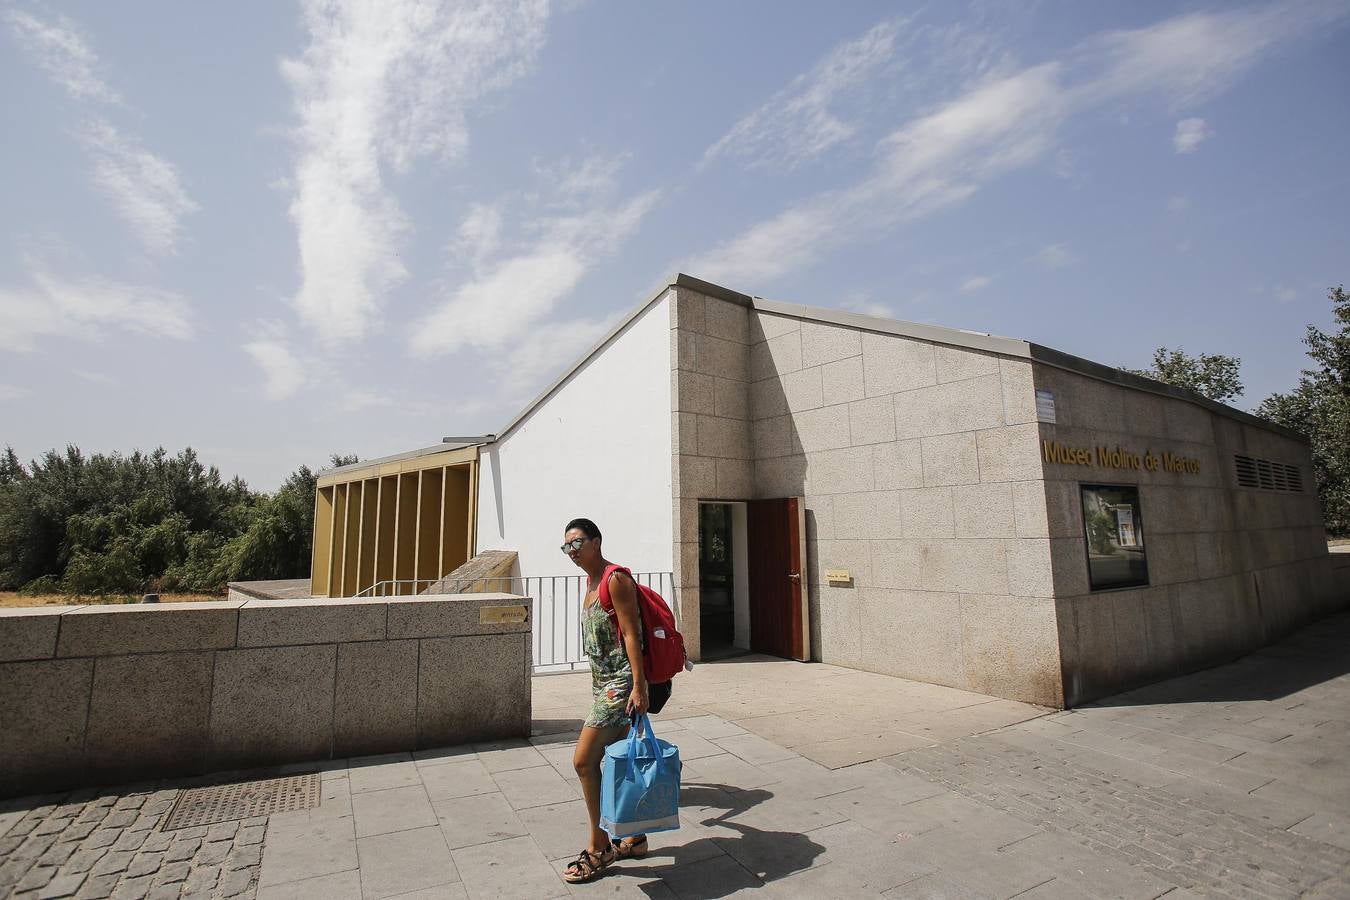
(1114, 530)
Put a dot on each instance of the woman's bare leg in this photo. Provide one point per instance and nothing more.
(586, 760)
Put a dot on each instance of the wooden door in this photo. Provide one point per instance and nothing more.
(776, 537)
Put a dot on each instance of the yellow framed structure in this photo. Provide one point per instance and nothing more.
(402, 520)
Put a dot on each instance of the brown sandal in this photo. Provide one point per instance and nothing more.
(631, 848)
(588, 866)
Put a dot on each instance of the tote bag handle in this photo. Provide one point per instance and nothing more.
(644, 725)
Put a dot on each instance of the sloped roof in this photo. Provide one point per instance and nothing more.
(938, 334)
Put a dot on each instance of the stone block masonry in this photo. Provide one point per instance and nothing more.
(101, 694)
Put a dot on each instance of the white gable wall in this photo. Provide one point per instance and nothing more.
(599, 447)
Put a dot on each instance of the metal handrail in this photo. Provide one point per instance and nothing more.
(556, 603)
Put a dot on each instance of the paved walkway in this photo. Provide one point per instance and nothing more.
(799, 781)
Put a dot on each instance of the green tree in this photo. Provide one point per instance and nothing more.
(1210, 375)
(109, 523)
(1319, 407)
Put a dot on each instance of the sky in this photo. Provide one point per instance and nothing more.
(278, 231)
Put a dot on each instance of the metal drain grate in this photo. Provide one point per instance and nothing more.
(242, 800)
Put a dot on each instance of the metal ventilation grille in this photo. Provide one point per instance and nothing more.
(1267, 476)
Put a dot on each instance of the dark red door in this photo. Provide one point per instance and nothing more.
(777, 613)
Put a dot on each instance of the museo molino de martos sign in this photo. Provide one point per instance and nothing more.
(1118, 458)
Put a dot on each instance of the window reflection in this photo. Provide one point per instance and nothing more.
(1114, 530)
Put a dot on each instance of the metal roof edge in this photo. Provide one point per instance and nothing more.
(393, 457)
(1112, 375)
(712, 290)
(938, 334)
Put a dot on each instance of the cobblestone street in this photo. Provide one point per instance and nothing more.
(106, 843)
(1232, 782)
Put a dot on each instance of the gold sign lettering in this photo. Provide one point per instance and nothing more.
(1118, 458)
(502, 615)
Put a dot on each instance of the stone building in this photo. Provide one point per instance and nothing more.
(932, 503)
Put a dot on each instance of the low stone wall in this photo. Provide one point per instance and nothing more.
(102, 694)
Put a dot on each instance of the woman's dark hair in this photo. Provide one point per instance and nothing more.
(585, 526)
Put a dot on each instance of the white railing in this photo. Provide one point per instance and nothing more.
(557, 608)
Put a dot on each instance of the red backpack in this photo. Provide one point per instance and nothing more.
(662, 644)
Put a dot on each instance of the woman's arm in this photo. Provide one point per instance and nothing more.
(623, 595)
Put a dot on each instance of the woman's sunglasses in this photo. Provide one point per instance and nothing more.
(573, 545)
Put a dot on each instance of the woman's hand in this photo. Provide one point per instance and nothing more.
(638, 701)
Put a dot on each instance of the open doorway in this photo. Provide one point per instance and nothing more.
(723, 574)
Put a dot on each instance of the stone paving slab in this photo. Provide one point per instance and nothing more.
(1232, 782)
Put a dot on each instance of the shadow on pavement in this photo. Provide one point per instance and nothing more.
(761, 855)
(563, 730)
(1313, 655)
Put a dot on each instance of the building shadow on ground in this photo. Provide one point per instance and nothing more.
(1315, 654)
(555, 731)
(760, 855)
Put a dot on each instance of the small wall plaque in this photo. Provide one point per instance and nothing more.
(838, 576)
(1045, 406)
(502, 615)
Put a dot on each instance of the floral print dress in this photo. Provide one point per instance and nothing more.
(611, 673)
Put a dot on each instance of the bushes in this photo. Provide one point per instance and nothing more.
(113, 524)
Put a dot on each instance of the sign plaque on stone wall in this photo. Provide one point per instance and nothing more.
(1045, 406)
(502, 615)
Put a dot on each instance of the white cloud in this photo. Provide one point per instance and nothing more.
(862, 303)
(479, 234)
(283, 374)
(84, 308)
(506, 301)
(1054, 256)
(1179, 203)
(1285, 294)
(930, 163)
(384, 83)
(1192, 57)
(63, 54)
(94, 377)
(975, 283)
(10, 392)
(577, 182)
(143, 187)
(1005, 122)
(1189, 134)
(797, 123)
(542, 354)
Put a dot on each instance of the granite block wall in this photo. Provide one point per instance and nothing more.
(101, 694)
(711, 455)
(919, 463)
(924, 477)
(1229, 568)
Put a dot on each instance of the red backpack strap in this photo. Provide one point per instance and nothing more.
(608, 605)
(605, 602)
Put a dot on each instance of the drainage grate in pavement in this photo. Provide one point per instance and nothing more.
(242, 800)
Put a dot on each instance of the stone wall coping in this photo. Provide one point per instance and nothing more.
(10, 612)
(423, 598)
(96, 609)
(290, 603)
(74, 631)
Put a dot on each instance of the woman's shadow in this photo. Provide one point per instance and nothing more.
(761, 856)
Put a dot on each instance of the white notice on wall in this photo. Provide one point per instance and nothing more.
(1045, 406)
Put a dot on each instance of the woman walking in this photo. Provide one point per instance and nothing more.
(618, 690)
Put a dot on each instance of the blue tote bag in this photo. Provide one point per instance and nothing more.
(640, 784)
